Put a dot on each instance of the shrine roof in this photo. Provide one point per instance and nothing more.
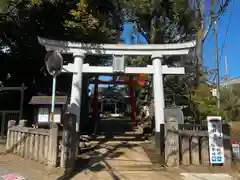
(47, 100)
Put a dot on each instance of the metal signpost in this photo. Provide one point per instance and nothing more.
(54, 62)
(215, 139)
(53, 98)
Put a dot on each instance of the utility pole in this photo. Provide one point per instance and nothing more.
(226, 69)
(217, 64)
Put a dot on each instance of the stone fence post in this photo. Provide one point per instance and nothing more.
(172, 143)
(53, 145)
(22, 123)
(11, 123)
(69, 141)
(227, 145)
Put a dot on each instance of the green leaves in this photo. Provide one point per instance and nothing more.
(230, 103)
(206, 103)
(4, 5)
(83, 17)
(84, 21)
(93, 17)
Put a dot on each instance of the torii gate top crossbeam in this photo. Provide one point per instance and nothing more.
(116, 49)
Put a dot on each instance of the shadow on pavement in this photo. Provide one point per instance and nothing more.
(92, 163)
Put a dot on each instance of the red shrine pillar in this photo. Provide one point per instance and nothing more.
(132, 99)
(95, 100)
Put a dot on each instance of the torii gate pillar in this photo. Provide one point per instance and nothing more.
(158, 93)
(76, 90)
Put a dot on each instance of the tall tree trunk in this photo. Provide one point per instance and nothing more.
(199, 45)
(203, 29)
(154, 21)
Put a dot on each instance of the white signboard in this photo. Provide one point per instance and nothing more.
(215, 139)
(44, 116)
(57, 115)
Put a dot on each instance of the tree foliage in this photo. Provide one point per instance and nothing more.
(170, 21)
(21, 23)
(230, 103)
(164, 21)
(92, 21)
(207, 104)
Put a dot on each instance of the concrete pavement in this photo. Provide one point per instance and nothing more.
(5, 174)
(206, 176)
(110, 161)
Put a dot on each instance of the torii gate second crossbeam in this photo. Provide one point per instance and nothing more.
(156, 51)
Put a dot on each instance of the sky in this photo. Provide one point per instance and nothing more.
(229, 49)
(231, 46)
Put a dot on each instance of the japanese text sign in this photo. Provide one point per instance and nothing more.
(216, 149)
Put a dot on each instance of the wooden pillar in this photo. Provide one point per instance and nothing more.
(101, 107)
(95, 101)
(3, 124)
(132, 99)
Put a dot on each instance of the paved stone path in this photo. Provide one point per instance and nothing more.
(119, 161)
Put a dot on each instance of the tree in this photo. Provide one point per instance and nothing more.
(207, 104)
(164, 22)
(205, 18)
(21, 56)
(96, 18)
(3, 5)
(65, 20)
(230, 103)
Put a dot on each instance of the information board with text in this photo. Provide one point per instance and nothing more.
(216, 149)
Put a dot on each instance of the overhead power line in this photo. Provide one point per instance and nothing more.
(226, 35)
(216, 16)
(217, 50)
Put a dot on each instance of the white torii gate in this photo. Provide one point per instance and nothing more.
(156, 51)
